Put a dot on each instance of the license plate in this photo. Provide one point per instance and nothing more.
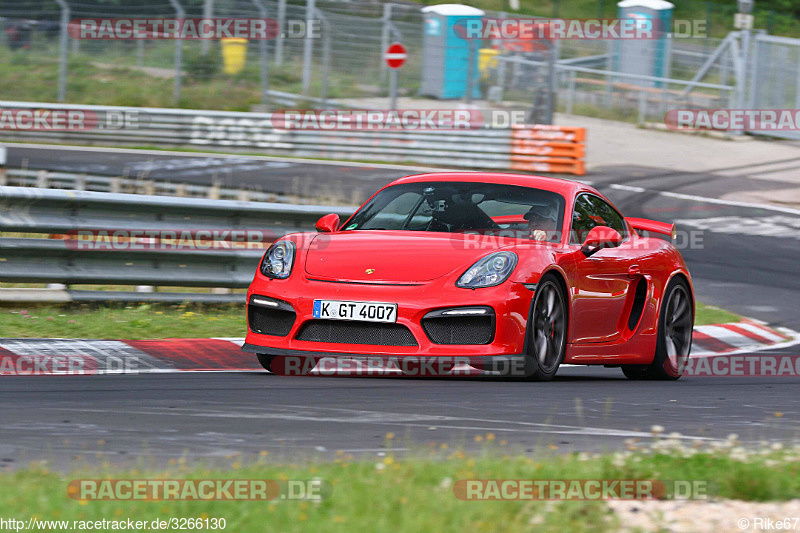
(364, 311)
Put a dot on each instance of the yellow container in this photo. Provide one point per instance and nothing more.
(486, 59)
(234, 55)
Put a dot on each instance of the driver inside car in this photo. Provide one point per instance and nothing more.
(541, 221)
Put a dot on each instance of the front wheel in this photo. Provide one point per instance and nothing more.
(547, 331)
(266, 361)
(675, 325)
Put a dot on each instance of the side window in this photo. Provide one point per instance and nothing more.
(591, 211)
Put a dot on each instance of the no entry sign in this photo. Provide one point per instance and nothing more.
(395, 55)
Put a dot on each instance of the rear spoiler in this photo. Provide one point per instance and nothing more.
(654, 226)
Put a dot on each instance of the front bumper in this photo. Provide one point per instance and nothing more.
(509, 301)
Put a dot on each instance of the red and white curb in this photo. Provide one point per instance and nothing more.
(88, 357)
(746, 336)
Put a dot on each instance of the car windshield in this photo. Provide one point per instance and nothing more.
(448, 206)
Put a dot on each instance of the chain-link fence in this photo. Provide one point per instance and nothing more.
(342, 63)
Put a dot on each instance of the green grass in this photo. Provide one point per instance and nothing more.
(164, 321)
(708, 314)
(124, 322)
(33, 76)
(416, 493)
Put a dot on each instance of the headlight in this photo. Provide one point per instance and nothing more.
(278, 260)
(492, 270)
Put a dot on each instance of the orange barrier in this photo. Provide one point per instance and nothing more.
(544, 148)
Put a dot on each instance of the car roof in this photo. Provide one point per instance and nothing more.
(565, 187)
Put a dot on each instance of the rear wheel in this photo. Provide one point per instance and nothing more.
(675, 325)
(547, 331)
(266, 361)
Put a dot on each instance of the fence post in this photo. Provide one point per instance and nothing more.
(281, 29)
(208, 12)
(63, 50)
(571, 92)
(326, 57)
(470, 71)
(3, 174)
(642, 106)
(308, 48)
(386, 22)
(755, 73)
(176, 90)
(263, 52)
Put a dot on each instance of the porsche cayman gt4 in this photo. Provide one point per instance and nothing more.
(517, 273)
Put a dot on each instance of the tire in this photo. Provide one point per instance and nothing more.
(546, 334)
(674, 342)
(266, 361)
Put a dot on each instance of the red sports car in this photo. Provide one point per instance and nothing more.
(518, 274)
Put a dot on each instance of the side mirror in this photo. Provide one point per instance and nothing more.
(600, 237)
(328, 223)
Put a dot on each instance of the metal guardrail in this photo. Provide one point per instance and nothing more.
(50, 211)
(49, 179)
(486, 147)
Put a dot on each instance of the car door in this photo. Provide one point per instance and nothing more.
(602, 280)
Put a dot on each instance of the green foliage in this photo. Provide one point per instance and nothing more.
(201, 67)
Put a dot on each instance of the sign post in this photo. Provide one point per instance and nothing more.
(395, 56)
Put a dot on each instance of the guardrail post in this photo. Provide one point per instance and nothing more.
(63, 50)
(42, 179)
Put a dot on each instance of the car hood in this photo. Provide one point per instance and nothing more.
(395, 256)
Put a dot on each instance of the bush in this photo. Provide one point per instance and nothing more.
(201, 67)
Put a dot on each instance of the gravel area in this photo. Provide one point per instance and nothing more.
(695, 516)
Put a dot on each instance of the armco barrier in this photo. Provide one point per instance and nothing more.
(490, 148)
(51, 211)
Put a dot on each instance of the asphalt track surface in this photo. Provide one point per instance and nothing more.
(750, 267)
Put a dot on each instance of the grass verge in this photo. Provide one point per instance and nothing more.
(416, 493)
(165, 321)
(124, 322)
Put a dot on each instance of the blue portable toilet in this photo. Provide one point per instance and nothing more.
(649, 57)
(447, 54)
